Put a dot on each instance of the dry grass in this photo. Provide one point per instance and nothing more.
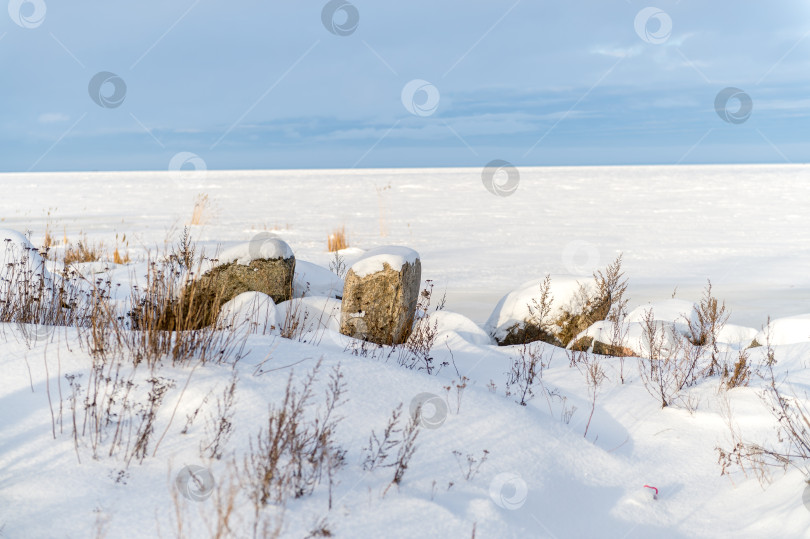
(175, 317)
(203, 210)
(296, 453)
(117, 258)
(791, 445)
(28, 296)
(710, 316)
(417, 351)
(337, 240)
(294, 456)
(48, 242)
(83, 251)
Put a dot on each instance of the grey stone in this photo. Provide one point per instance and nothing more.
(271, 277)
(222, 283)
(380, 307)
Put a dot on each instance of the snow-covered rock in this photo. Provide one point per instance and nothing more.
(20, 261)
(516, 308)
(380, 295)
(449, 324)
(265, 264)
(636, 338)
(255, 309)
(670, 326)
(789, 330)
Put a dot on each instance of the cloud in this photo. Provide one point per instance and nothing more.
(619, 52)
(52, 118)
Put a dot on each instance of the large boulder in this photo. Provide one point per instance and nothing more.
(573, 305)
(380, 295)
(267, 266)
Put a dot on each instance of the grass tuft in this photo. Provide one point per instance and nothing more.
(337, 240)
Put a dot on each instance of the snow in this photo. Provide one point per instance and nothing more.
(312, 279)
(671, 315)
(744, 227)
(374, 260)
(260, 248)
(451, 325)
(255, 309)
(741, 226)
(316, 313)
(671, 310)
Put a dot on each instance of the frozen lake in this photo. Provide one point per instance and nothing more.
(747, 228)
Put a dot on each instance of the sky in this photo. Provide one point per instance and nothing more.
(248, 84)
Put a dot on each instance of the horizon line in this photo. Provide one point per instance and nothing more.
(363, 169)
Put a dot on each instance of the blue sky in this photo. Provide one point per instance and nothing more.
(252, 85)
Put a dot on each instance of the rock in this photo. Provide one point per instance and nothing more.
(581, 344)
(676, 311)
(573, 304)
(271, 277)
(267, 267)
(380, 295)
(604, 349)
(635, 341)
(589, 344)
(526, 332)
